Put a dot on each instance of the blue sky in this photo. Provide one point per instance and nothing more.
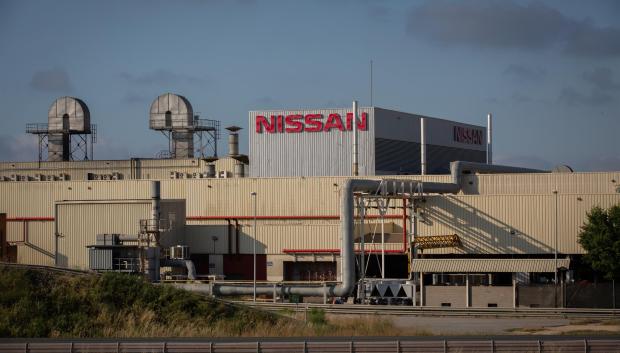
(548, 70)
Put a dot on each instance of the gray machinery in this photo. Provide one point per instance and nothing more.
(173, 116)
(66, 135)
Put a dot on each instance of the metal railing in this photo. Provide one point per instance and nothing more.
(441, 311)
(44, 128)
(546, 345)
(126, 264)
(184, 123)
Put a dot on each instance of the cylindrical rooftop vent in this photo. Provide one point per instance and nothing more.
(233, 140)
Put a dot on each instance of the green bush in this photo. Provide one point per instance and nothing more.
(37, 303)
(316, 317)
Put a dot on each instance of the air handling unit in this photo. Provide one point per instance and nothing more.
(65, 137)
(173, 116)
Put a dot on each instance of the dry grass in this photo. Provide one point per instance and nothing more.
(145, 325)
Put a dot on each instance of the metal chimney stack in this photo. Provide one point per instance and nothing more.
(355, 167)
(233, 151)
(423, 146)
(233, 141)
(489, 138)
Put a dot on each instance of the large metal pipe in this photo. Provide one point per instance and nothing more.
(153, 253)
(489, 138)
(347, 260)
(233, 144)
(423, 146)
(155, 200)
(355, 171)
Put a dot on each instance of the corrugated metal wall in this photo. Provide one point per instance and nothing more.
(310, 153)
(496, 214)
(79, 223)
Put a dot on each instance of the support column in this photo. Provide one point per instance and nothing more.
(514, 290)
(421, 288)
(467, 299)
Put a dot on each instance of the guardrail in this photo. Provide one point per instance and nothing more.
(439, 311)
(326, 346)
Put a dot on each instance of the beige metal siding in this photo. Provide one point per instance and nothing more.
(497, 213)
(79, 224)
(544, 183)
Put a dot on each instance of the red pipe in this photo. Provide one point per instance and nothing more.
(335, 251)
(223, 218)
(28, 219)
(404, 225)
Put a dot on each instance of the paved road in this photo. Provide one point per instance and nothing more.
(472, 325)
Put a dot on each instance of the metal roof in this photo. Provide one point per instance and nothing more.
(487, 265)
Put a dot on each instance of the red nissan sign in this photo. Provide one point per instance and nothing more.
(296, 123)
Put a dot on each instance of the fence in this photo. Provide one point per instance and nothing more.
(326, 346)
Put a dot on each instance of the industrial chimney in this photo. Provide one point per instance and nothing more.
(233, 141)
(233, 151)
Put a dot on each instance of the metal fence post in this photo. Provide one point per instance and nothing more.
(397, 346)
(257, 346)
(351, 346)
(585, 345)
(539, 347)
(211, 347)
(445, 346)
(305, 347)
(492, 346)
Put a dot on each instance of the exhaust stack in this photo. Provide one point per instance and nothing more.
(355, 170)
(423, 146)
(489, 138)
(233, 141)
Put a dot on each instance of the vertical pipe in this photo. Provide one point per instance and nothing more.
(489, 138)
(371, 83)
(421, 288)
(404, 224)
(467, 290)
(155, 200)
(56, 235)
(362, 248)
(382, 245)
(423, 146)
(355, 163)
(254, 250)
(555, 241)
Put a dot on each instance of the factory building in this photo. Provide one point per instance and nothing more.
(482, 236)
(319, 142)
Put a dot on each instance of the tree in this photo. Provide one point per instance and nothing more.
(600, 238)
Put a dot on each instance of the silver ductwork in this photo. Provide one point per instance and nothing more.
(347, 265)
